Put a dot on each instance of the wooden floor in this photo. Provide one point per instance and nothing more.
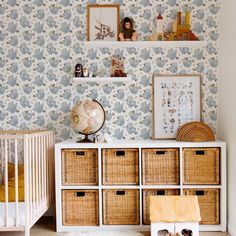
(46, 227)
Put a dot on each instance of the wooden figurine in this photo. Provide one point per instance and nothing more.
(181, 30)
(79, 70)
(127, 30)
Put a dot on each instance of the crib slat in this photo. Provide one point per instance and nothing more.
(47, 161)
(2, 155)
(16, 182)
(27, 183)
(44, 169)
(40, 171)
(6, 180)
(30, 179)
(37, 172)
(33, 174)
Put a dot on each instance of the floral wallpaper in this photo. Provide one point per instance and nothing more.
(41, 41)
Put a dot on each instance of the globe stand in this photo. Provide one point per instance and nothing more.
(85, 140)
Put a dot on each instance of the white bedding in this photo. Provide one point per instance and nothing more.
(12, 213)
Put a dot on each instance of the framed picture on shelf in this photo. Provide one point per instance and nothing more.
(103, 22)
(176, 101)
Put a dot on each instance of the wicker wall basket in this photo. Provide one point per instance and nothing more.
(153, 192)
(80, 167)
(80, 207)
(195, 132)
(121, 207)
(120, 166)
(160, 166)
(209, 200)
(201, 166)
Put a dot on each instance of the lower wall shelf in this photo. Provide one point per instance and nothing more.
(101, 79)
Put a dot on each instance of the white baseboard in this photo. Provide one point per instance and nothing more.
(231, 229)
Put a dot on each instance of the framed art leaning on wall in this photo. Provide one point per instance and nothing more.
(176, 101)
(103, 22)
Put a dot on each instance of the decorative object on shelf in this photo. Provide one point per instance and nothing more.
(159, 34)
(103, 22)
(176, 101)
(79, 70)
(127, 30)
(88, 117)
(160, 28)
(181, 30)
(195, 132)
(118, 67)
(86, 72)
(178, 215)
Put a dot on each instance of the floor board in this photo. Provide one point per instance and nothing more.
(46, 227)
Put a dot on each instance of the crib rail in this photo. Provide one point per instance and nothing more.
(35, 150)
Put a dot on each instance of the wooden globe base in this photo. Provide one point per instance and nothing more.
(85, 140)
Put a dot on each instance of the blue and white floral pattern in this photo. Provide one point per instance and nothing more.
(40, 43)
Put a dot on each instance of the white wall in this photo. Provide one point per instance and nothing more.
(227, 101)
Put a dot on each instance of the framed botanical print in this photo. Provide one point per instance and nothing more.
(103, 22)
(176, 101)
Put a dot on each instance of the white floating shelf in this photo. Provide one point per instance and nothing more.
(142, 43)
(101, 79)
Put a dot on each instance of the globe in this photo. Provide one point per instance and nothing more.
(88, 117)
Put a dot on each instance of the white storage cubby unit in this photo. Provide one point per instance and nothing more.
(102, 185)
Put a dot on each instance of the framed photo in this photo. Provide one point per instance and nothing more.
(176, 101)
(103, 22)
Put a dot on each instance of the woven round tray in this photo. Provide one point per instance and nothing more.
(195, 132)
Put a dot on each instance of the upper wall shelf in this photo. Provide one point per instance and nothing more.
(143, 44)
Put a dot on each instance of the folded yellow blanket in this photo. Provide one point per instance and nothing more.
(11, 184)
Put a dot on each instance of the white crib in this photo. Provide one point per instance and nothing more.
(35, 150)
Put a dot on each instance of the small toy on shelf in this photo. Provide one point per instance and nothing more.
(160, 28)
(159, 34)
(127, 30)
(79, 70)
(117, 67)
(86, 72)
(181, 30)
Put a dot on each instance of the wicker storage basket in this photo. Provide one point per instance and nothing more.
(80, 207)
(146, 201)
(209, 200)
(160, 166)
(121, 207)
(201, 166)
(120, 166)
(80, 167)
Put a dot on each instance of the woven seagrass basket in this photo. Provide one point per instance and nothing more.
(80, 207)
(160, 166)
(121, 207)
(209, 200)
(120, 166)
(80, 167)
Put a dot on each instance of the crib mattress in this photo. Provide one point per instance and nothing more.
(12, 214)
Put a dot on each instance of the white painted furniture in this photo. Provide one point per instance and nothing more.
(140, 145)
(102, 79)
(163, 44)
(34, 149)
